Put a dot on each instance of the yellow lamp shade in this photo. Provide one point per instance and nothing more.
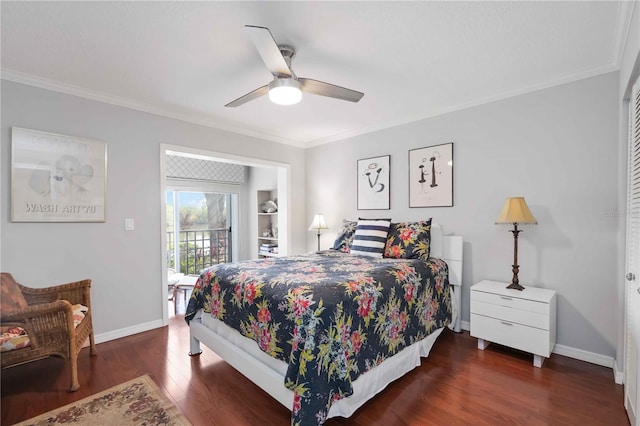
(516, 211)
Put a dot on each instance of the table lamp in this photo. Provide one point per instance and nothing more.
(516, 212)
(318, 223)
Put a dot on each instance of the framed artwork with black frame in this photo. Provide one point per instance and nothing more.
(373, 183)
(431, 176)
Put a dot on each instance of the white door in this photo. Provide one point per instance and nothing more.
(632, 287)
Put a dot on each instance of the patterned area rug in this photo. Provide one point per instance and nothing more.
(136, 402)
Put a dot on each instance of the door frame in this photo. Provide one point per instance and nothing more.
(631, 300)
(284, 194)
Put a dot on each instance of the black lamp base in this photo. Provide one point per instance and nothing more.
(515, 268)
(515, 286)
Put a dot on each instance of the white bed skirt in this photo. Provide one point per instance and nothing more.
(268, 373)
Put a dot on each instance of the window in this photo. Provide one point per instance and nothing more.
(198, 229)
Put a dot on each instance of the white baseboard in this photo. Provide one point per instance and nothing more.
(582, 355)
(618, 374)
(593, 358)
(128, 331)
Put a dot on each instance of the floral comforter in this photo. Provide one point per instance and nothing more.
(330, 316)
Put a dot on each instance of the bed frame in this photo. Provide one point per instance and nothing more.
(448, 248)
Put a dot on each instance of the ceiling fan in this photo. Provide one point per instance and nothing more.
(286, 87)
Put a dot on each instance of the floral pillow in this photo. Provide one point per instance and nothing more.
(409, 240)
(345, 236)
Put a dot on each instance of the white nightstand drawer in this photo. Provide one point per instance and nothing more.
(511, 302)
(528, 339)
(511, 314)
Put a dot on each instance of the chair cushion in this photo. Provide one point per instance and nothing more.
(12, 338)
(79, 312)
(11, 296)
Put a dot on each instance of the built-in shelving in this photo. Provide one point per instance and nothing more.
(267, 224)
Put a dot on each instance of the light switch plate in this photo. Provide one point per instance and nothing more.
(128, 224)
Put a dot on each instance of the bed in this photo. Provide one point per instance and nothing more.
(324, 332)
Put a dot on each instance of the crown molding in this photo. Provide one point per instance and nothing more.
(56, 86)
(68, 89)
(464, 105)
(623, 26)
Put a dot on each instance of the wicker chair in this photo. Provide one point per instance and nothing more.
(48, 321)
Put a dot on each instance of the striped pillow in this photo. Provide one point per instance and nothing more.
(370, 237)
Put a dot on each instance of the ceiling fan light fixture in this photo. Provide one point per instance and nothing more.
(285, 91)
(286, 88)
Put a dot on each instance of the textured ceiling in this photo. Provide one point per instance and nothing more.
(411, 59)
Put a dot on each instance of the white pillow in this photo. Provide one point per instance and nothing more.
(370, 237)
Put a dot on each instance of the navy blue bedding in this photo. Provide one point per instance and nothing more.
(330, 316)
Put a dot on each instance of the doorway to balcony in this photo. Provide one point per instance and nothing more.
(214, 173)
(199, 230)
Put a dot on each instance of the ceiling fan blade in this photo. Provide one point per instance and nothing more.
(269, 51)
(331, 90)
(260, 91)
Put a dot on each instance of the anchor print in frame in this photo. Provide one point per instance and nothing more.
(373, 183)
(431, 176)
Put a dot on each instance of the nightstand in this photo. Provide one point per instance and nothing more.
(524, 320)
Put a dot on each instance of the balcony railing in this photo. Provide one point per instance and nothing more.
(198, 249)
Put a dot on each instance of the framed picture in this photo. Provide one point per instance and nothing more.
(57, 178)
(431, 176)
(373, 183)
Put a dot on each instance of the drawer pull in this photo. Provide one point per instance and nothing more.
(506, 298)
(506, 323)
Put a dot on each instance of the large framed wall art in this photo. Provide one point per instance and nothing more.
(431, 176)
(373, 183)
(57, 178)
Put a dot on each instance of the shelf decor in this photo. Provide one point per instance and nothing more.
(431, 176)
(267, 209)
(57, 178)
(373, 183)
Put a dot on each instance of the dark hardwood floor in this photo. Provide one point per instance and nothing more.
(456, 385)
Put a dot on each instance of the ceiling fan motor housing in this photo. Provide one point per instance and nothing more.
(287, 53)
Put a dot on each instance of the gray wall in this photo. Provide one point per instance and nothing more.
(557, 147)
(125, 266)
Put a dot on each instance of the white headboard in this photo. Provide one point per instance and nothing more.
(450, 249)
(436, 241)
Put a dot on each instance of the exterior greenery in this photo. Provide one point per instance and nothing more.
(203, 236)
